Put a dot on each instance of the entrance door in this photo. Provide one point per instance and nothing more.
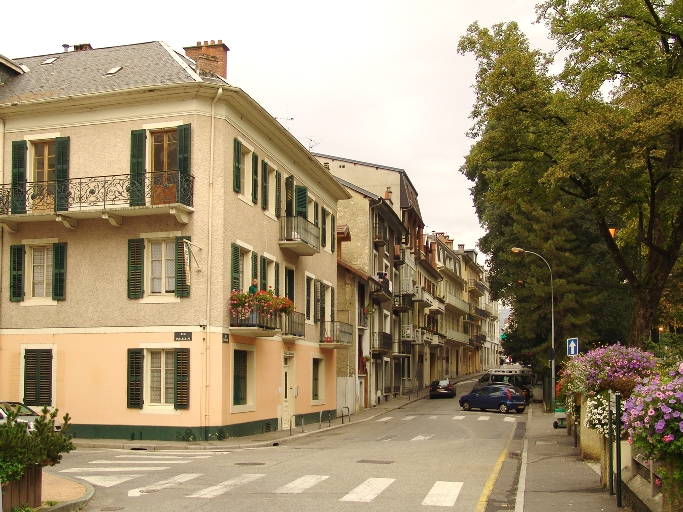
(287, 390)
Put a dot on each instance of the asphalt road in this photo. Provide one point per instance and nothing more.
(429, 454)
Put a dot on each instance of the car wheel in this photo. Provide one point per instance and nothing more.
(466, 406)
(503, 408)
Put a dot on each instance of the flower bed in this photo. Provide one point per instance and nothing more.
(260, 307)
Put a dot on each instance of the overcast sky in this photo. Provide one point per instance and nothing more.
(376, 80)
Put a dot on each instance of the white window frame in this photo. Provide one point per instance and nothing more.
(246, 175)
(250, 406)
(149, 238)
(272, 185)
(147, 406)
(270, 271)
(29, 245)
(321, 380)
(311, 320)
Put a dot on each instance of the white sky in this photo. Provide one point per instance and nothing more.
(377, 80)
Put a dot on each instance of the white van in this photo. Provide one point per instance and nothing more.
(514, 374)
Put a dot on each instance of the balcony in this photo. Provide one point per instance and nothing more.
(382, 291)
(259, 322)
(381, 342)
(419, 295)
(427, 298)
(455, 302)
(399, 254)
(478, 312)
(403, 302)
(336, 335)
(426, 336)
(491, 310)
(407, 333)
(437, 340)
(469, 319)
(299, 236)
(477, 340)
(109, 197)
(380, 235)
(455, 335)
(293, 326)
(476, 286)
(402, 348)
(438, 307)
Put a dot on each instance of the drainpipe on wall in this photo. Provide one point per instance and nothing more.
(2, 174)
(208, 264)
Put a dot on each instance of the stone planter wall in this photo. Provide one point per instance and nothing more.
(591, 440)
(26, 490)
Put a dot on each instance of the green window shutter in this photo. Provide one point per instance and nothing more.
(289, 276)
(135, 373)
(309, 280)
(278, 194)
(333, 233)
(289, 196)
(16, 272)
(59, 271)
(239, 382)
(61, 174)
(18, 201)
(316, 379)
(264, 185)
(323, 287)
(264, 273)
(137, 167)
(323, 234)
(301, 201)
(182, 280)
(136, 248)
(181, 386)
(254, 266)
(254, 178)
(184, 185)
(332, 315)
(237, 168)
(317, 299)
(235, 256)
(38, 377)
(315, 213)
(277, 278)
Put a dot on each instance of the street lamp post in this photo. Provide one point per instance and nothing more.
(518, 250)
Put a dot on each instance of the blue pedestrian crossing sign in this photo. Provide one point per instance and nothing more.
(573, 347)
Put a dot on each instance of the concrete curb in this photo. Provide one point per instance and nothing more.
(77, 504)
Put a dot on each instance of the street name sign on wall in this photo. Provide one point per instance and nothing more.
(573, 347)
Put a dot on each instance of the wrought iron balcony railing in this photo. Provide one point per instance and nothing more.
(258, 317)
(399, 254)
(380, 234)
(381, 341)
(403, 348)
(382, 292)
(299, 235)
(336, 333)
(474, 284)
(97, 192)
(294, 324)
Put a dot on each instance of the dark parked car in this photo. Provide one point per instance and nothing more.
(441, 388)
(501, 397)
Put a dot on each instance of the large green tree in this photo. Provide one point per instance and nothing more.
(604, 135)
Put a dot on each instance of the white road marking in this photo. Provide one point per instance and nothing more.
(107, 480)
(422, 437)
(509, 419)
(301, 484)
(138, 462)
(443, 494)
(110, 470)
(178, 479)
(164, 456)
(484, 418)
(386, 419)
(223, 487)
(433, 417)
(368, 490)
(387, 438)
(521, 484)
(409, 418)
(458, 417)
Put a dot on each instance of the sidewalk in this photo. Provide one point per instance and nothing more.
(553, 475)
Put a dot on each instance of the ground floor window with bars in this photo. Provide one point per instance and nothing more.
(159, 378)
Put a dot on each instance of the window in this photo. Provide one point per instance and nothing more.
(318, 380)
(164, 380)
(309, 297)
(243, 378)
(39, 270)
(38, 377)
(245, 171)
(244, 267)
(164, 150)
(289, 283)
(158, 267)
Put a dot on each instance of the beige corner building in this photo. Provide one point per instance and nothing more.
(140, 190)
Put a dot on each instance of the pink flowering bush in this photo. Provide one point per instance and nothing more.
(264, 303)
(241, 304)
(653, 416)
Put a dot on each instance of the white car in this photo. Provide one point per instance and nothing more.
(26, 414)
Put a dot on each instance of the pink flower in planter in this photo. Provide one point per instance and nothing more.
(668, 438)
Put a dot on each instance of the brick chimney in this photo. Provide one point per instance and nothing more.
(211, 57)
(82, 47)
(387, 195)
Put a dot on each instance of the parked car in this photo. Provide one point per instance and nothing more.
(512, 374)
(501, 397)
(441, 388)
(26, 414)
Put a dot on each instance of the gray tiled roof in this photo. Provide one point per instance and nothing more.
(83, 72)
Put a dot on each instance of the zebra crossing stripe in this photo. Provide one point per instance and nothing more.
(107, 480)
(422, 437)
(484, 418)
(301, 484)
(163, 457)
(386, 419)
(178, 479)
(509, 419)
(111, 470)
(433, 417)
(368, 490)
(138, 462)
(408, 418)
(222, 488)
(458, 417)
(443, 494)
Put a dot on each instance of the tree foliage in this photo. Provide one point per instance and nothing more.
(559, 158)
